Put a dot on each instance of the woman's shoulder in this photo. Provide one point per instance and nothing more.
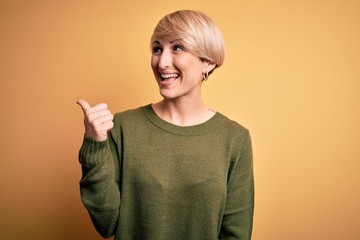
(237, 134)
(233, 125)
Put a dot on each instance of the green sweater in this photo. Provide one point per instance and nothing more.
(154, 180)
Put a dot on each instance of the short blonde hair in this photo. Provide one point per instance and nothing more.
(196, 31)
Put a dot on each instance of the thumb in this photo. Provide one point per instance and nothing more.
(83, 104)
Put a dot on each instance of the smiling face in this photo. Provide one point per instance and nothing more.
(178, 72)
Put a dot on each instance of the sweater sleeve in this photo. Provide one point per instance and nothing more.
(238, 217)
(99, 185)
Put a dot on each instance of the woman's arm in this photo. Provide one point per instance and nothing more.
(99, 185)
(238, 217)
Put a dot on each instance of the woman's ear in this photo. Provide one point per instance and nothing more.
(209, 67)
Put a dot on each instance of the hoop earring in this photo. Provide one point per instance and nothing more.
(205, 76)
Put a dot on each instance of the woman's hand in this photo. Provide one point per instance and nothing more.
(98, 120)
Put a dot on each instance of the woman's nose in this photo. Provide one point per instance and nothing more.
(165, 59)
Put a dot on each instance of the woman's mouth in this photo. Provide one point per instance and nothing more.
(167, 79)
(169, 76)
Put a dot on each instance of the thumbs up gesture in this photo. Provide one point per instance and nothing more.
(98, 120)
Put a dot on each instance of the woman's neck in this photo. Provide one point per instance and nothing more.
(183, 113)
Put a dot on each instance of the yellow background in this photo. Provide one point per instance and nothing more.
(291, 75)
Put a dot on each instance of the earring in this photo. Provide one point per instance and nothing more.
(205, 75)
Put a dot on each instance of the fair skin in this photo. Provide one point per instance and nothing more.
(179, 75)
(98, 120)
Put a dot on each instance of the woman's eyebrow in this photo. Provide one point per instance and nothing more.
(175, 40)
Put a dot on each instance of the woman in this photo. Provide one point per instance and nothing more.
(174, 169)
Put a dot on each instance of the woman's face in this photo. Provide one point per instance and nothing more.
(178, 72)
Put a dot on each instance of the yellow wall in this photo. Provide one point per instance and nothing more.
(291, 75)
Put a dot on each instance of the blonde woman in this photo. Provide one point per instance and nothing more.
(175, 169)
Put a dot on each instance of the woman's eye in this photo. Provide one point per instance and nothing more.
(178, 48)
(156, 50)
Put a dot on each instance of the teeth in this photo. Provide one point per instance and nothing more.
(172, 75)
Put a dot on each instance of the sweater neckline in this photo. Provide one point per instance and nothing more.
(197, 129)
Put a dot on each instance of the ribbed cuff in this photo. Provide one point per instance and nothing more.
(93, 152)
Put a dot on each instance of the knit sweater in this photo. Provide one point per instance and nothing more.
(153, 180)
